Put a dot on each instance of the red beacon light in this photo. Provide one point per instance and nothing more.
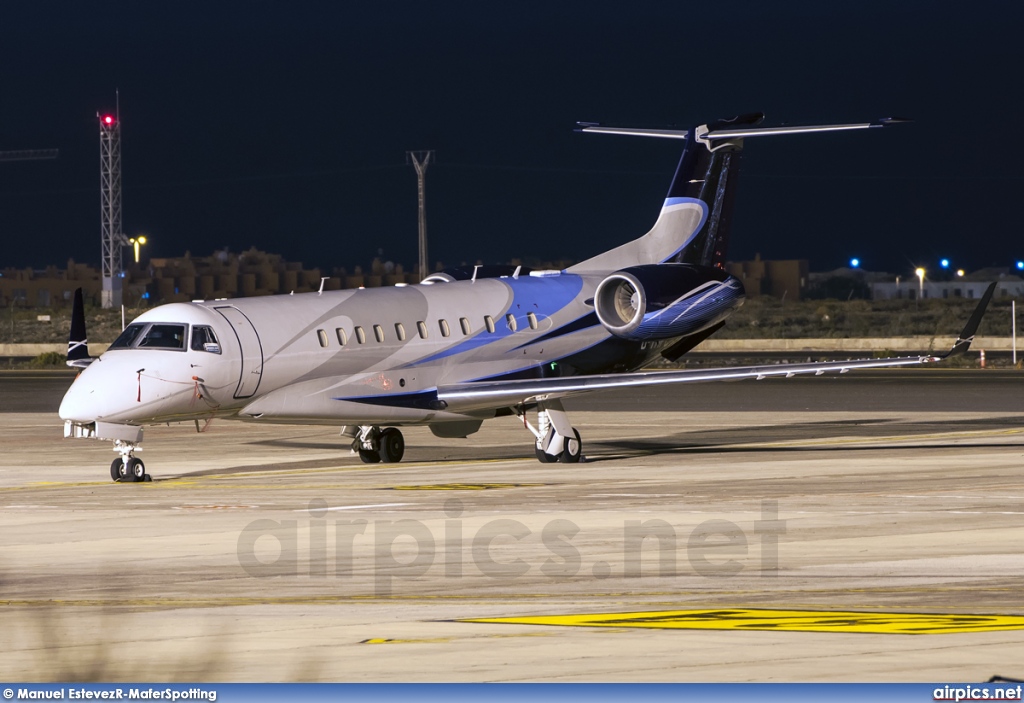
(108, 120)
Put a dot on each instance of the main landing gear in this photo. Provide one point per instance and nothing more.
(127, 468)
(557, 440)
(375, 445)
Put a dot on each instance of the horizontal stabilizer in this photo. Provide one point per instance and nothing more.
(704, 133)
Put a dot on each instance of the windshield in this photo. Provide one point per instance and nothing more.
(161, 336)
(128, 336)
(157, 335)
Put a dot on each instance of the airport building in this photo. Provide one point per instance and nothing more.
(971, 285)
(786, 279)
(223, 274)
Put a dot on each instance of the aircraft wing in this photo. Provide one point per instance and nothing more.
(462, 397)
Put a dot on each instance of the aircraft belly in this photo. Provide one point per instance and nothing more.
(327, 401)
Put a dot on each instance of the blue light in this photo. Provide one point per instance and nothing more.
(944, 263)
(1020, 265)
(854, 263)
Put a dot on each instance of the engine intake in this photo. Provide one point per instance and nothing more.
(665, 300)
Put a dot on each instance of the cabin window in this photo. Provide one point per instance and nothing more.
(360, 335)
(446, 331)
(422, 328)
(466, 329)
(128, 337)
(322, 336)
(164, 337)
(378, 332)
(532, 319)
(489, 323)
(203, 339)
(400, 331)
(510, 320)
(342, 336)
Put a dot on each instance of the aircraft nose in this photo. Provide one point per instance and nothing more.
(79, 403)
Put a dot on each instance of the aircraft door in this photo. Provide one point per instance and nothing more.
(252, 351)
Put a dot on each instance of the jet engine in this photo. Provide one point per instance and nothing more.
(663, 301)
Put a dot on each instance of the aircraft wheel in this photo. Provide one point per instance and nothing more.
(369, 456)
(392, 445)
(543, 457)
(115, 469)
(573, 449)
(136, 469)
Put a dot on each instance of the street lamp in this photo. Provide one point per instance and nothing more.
(137, 242)
(919, 272)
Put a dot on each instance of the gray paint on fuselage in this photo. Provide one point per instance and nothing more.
(298, 371)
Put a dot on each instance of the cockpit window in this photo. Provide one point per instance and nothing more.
(128, 336)
(160, 336)
(203, 339)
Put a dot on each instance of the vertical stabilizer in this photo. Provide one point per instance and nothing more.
(693, 225)
(78, 342)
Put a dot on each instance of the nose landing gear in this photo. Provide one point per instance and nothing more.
(127, 468)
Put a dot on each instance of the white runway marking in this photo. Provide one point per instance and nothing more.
(357, 507)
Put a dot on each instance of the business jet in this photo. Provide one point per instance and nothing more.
(462, 346)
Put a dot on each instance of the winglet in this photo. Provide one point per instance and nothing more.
(78, 343)
(963, 342)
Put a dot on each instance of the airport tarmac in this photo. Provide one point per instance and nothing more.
(866, 527)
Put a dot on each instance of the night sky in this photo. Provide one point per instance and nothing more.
(284, 125)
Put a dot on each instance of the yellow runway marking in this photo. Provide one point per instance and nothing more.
(466, 486)
(780, 620)
(426, 640)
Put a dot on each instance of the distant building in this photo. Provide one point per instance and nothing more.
(223, 274)
(972, 285)
(785, 279)
(49, 287)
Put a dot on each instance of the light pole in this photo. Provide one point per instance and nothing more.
(137, 242)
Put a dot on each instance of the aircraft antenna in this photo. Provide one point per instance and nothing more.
(420, 161)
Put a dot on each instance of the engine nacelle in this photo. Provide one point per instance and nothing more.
(662, 301)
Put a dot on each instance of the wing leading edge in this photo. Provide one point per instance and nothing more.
(477, 395)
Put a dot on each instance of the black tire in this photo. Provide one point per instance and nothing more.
(545, 458)
(568, 456)
(392, 445)
(369, 456)
(136, 469)
(115, 470)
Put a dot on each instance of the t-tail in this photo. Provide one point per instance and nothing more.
(693, 226)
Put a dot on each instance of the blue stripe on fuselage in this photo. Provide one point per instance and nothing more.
(544, 296)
